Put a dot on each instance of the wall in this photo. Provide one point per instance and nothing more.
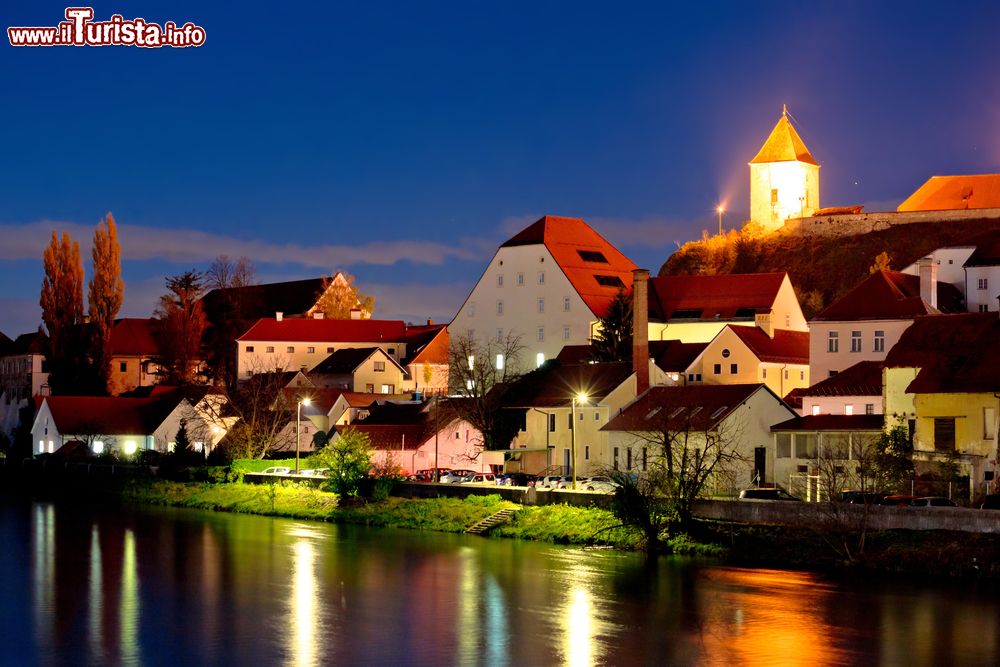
(837, 405)
(260, 360)
(950, 263)
(797, 184)
(898, 403)
(750, 370)
(977, 299)
(821, 362)
(366, 374)
(863, 223)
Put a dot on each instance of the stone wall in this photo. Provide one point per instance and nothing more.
(863, 223)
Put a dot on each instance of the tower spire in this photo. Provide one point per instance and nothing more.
(784, 110)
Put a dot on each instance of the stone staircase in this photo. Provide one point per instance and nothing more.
(491, 521)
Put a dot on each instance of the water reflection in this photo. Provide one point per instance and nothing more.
(175, 587)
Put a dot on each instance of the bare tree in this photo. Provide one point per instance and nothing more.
(262, 410)
(479, 374)
(180, 326)
(231, 277)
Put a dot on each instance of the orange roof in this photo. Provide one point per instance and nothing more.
(888, 295)
(720, 297)
(951, 193)
(788, 347)
(594, 267)
(110, 415)
(784, 145)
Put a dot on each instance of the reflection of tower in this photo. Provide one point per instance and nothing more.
(784, 178)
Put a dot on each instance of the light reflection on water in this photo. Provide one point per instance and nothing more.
(177, 587)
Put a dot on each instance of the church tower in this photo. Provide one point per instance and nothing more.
(784, 178)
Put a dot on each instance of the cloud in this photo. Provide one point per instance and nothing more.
(648, 232)
(416, 303)
(139, 243)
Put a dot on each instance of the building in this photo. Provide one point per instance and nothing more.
(547, 284)
(135, 355)
(784, 178)
(865, 323)
(982, 274)
(736, 417)
(694, 309)
(955, 193)
(361, 369)
(748, 355)
(294, 298)
(854, 391)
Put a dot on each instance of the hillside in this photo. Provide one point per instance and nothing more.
(821, 268)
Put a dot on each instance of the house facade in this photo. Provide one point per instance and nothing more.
(748, 355)
(361, 369)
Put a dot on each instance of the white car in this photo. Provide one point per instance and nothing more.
(601, 484)
(276, 470)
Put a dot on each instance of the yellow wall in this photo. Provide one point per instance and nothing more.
(797, 184)
(750, 369)
(366, 374)
(897, 402)
(968, 410)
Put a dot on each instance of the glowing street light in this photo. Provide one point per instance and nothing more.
(579, 398)
(720, 209)
(298, 426)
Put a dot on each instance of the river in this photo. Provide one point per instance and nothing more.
(84, 585)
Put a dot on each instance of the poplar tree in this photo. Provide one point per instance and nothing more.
(62, 312)
(104, 297)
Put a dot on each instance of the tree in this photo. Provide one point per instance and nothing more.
(262, 410)
(104, 297)
(340, 296)
(62, 312)
(231, 278)
(613, 341)
(882, 262)
(348, 456)
(479, 375)
(180, 326)
(226, 273)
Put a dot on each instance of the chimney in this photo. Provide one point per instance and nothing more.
(355, 313)
(318, 315)
(640, 329)
(430, 322)
(278, 316)
(927, 269)
(765, 323)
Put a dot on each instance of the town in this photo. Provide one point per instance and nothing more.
(566, 363)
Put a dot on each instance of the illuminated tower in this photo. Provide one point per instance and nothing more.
(784, 178)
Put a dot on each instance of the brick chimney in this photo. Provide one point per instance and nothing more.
(355, 313)
(927, 269)
(640, 329)
(319, 315)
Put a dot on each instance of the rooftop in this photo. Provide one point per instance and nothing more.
(101, 415)
(786, 347)
(862, 379)
(950, 193)
(839, 423)
(890, 295)
(252, 302)
(783, 145)
(682, 408)
(720, 297)
(555, 384)
(308, 330)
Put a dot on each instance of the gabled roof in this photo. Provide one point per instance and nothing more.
(594, 267)
(404, 425)
(673, 356)
(951, 193)
(787, 347)
(346, 360)
(955, 353)
(889, 295)
(721, 297)
(987, 252)
(133, 336)
(294, 297)
(103, 415)
(554, 384)
(426, 344)
(35, 342)
(783, 145)
(862, 379)
(840, 423)
(308, 330)
(683, 408)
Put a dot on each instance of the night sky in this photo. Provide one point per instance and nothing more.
(403, 142)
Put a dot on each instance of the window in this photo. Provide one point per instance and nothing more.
(249, 348)
(788, 321)
(726, 353)
(984, 308)
(786, 373)
(628, 458)
(249, 374)
(763, 374)
(569, 421)
(815, 410)
(388, 389)
(597, 416)
(615, 459)
(832, 344)
(123, 366)
(290, 349)
(855, 341)
(586, 452)
(783, 445)
(645, 459)
(734, 369)
(608, 281)
(499, 307)
(520, 280)
(539, 359)
(541, 277)
(552, 423)
(566, 302)
(848, 409)
(717, 369)
(774, 197)
(581, 415)
(311, 350)
(499, 362)
(541, 334)
(329, 350)
(983, 283)
(802, 375)
(869, 408)
(805, 445)
(989, 423)
(391, 350)
(270, 349)
(369, 389)
(879, 341)
(500, 280)
(565, 332)
(592, 256)
(694, 377)
(472, 309)
(380, 367)
(541, 305)
(944, 434)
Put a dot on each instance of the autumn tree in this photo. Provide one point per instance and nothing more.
(231, 278)
(340, 296)
(180, 326)
(104, 297)
(882, 262)
(62, 313)
(613, 341)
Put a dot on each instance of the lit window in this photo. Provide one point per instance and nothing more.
(472, 361)
(815, 409)
(499, 362)
(98, 446)
(130, 447)
(539, 359)
(848, 409)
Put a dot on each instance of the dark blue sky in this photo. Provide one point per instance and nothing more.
(403, 142)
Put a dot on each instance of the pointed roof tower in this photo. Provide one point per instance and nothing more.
(783, 144)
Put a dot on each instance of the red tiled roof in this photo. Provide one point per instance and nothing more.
(426, 344)
(950, 193)
(555, 384)
(889, 295)
(930, 338)
(35, 342)
(673, 356)
(832, 423)
(862, 379)
(134, 337)
(783, 145)
(987, 252)
(583, 255)
(719, 297)
(100, 415)
(399, 425)
(787, 347)
(692, 407)
(310, 330)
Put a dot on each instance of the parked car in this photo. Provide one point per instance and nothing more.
(276, 470)
(484, 478)
(932, 501)
(601, 484)
(457, 476)
(766, 494)
(566, 482)
(898, 500)
(548, 481)
(520, 479)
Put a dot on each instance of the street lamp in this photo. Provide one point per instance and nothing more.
(720, 209)
(298, 427)
(579, 398)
